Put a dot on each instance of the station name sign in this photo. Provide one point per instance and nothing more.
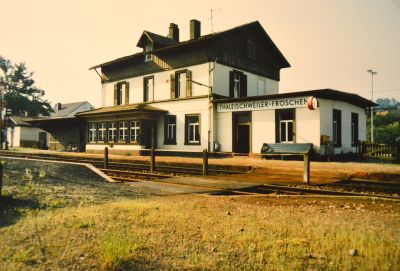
(296, 102)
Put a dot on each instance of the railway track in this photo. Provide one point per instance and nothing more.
(257, 189)
(141, 167)
(130, 172)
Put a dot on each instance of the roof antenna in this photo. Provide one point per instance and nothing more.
(211, 19)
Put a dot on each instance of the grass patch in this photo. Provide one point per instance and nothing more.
(206, 233)
(119, 251)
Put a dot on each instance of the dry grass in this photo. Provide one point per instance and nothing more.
(204, 233)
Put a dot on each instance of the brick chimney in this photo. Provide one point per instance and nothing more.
(195, 29)
(173, 32)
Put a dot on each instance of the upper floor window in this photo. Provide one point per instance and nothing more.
(121, 93)
(148, 89)
(148, 57)
(251, 50)
(261, 86)
(238, 84)
(170, 130)
(181, 84)
(337, 127)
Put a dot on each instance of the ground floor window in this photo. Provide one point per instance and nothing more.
(112, 132)
(285, 125)
(135, 131)
(170, 129)
(192, 129)
(354, 129)
(92, 132)
(337, 127)
(102, 132)
(123, 132)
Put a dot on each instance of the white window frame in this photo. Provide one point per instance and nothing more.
(112, 132)
(149, 88)
(123, 132)
(92, 132)
(148, 57)
(236, 85)
(191, 126)
(181, 84)
(102, 132)
(286, 125)
(135, 131)
(261, 90)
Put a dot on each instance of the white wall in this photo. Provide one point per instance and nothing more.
(308, 126)
(180, 109)
(221, 82)
(13, 136)
(25, 134)
(224, 131)
(326, 109)
(30, 133)
(162, 88)
(263, 129)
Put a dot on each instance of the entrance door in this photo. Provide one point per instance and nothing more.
(42, 140)
(148, 134)
(243, 138)
(241, 132)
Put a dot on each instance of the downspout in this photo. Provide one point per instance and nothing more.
(210, 107)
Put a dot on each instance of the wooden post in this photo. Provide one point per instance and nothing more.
(1, 177)
(106, 157)
(205, 162)
(152, 160)
(306, 176)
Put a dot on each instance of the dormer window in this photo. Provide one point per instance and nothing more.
(148, 48)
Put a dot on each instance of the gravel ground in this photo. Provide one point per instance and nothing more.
(74, 181)
(334, 167)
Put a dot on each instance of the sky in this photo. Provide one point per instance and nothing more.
(329, 43)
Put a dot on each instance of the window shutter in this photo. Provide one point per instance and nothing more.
(243, 85)
(165, 129)
(231, 84)
(188, 83)
(126, 92)
(172, 81)
(186, 130)
(116, 94)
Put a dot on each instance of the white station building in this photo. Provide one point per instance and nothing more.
(218, 92)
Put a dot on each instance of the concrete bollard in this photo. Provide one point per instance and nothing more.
(306, 176)
(205, 162)
(106, 157)
(152, 160)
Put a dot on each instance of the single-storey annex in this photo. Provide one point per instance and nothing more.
(218, 92)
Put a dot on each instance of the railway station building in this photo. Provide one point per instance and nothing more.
(218, 92)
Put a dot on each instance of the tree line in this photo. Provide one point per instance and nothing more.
(21, 93)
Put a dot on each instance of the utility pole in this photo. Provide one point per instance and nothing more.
(3, 112)
(372, 72)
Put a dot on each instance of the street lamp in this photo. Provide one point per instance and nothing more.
(372, 72)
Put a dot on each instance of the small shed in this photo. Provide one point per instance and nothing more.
(21, 133)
